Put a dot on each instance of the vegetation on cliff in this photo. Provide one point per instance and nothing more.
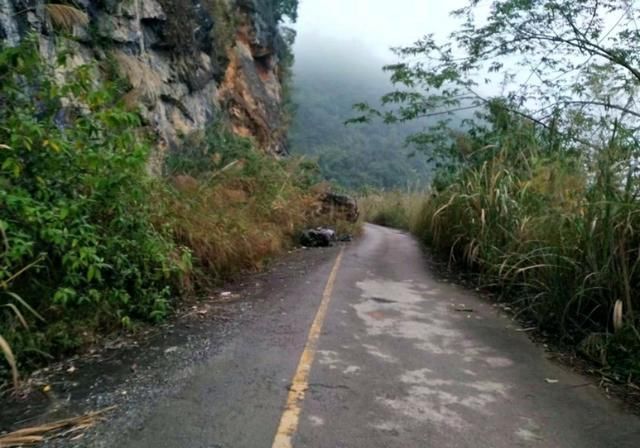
(89, 241)
(538, 194)
(78, 244)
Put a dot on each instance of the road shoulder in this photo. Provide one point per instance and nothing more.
(136, 373)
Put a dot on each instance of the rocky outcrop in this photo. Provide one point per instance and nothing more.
(188, 62)
(254, 73)
(340, 207)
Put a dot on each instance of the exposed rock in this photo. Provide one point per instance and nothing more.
(247, 81)
(320, 237)
(145, 9)
(263, 37)
(8, 26)
(189, 63)
(340, 206)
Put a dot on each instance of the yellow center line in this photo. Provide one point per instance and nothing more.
(291, 416)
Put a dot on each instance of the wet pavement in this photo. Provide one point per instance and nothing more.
(409, 361)
(402, 359)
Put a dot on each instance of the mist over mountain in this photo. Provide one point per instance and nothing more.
(329, 78)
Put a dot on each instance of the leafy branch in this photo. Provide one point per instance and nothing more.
(541, 55)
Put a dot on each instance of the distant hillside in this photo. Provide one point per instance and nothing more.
(352, 156)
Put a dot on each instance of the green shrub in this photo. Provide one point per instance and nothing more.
(74, 197)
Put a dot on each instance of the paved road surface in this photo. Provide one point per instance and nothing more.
(368, 351)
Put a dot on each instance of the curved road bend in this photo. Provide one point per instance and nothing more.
(371, 351)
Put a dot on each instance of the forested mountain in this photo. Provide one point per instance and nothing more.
(354, 156)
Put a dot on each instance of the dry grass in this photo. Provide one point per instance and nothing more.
(66, 17)
(241, 211)
(146, 84)
(5, 348)
(235, 207)
(70, 427)
(393, 208)
(229, 225)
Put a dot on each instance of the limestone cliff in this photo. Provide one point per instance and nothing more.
(188, 62)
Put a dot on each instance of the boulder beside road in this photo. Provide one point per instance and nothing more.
(320, 237)
(340, 206)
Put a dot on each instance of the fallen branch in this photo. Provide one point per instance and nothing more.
(48, 431)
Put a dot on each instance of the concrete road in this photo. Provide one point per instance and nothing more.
(369, 351)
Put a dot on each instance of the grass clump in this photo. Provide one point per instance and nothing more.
(66, 17)
(232, 205)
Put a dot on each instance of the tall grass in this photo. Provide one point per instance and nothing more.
(563, 249)
(392, 208)
(555, 231)
(233, 206)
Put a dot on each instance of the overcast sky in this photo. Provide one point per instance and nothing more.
(374, 25)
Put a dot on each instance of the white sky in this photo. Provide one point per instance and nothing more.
(373, 24)
(357, 35)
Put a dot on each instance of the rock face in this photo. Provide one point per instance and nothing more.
(188, 62)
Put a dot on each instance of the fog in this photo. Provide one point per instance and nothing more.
(340, 49)
(353, 39)
(374, 25)
(356, 37)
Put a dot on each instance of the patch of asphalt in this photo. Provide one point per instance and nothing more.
(135, 372)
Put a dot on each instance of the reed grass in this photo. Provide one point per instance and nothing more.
(555, 233)
(399, 209)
